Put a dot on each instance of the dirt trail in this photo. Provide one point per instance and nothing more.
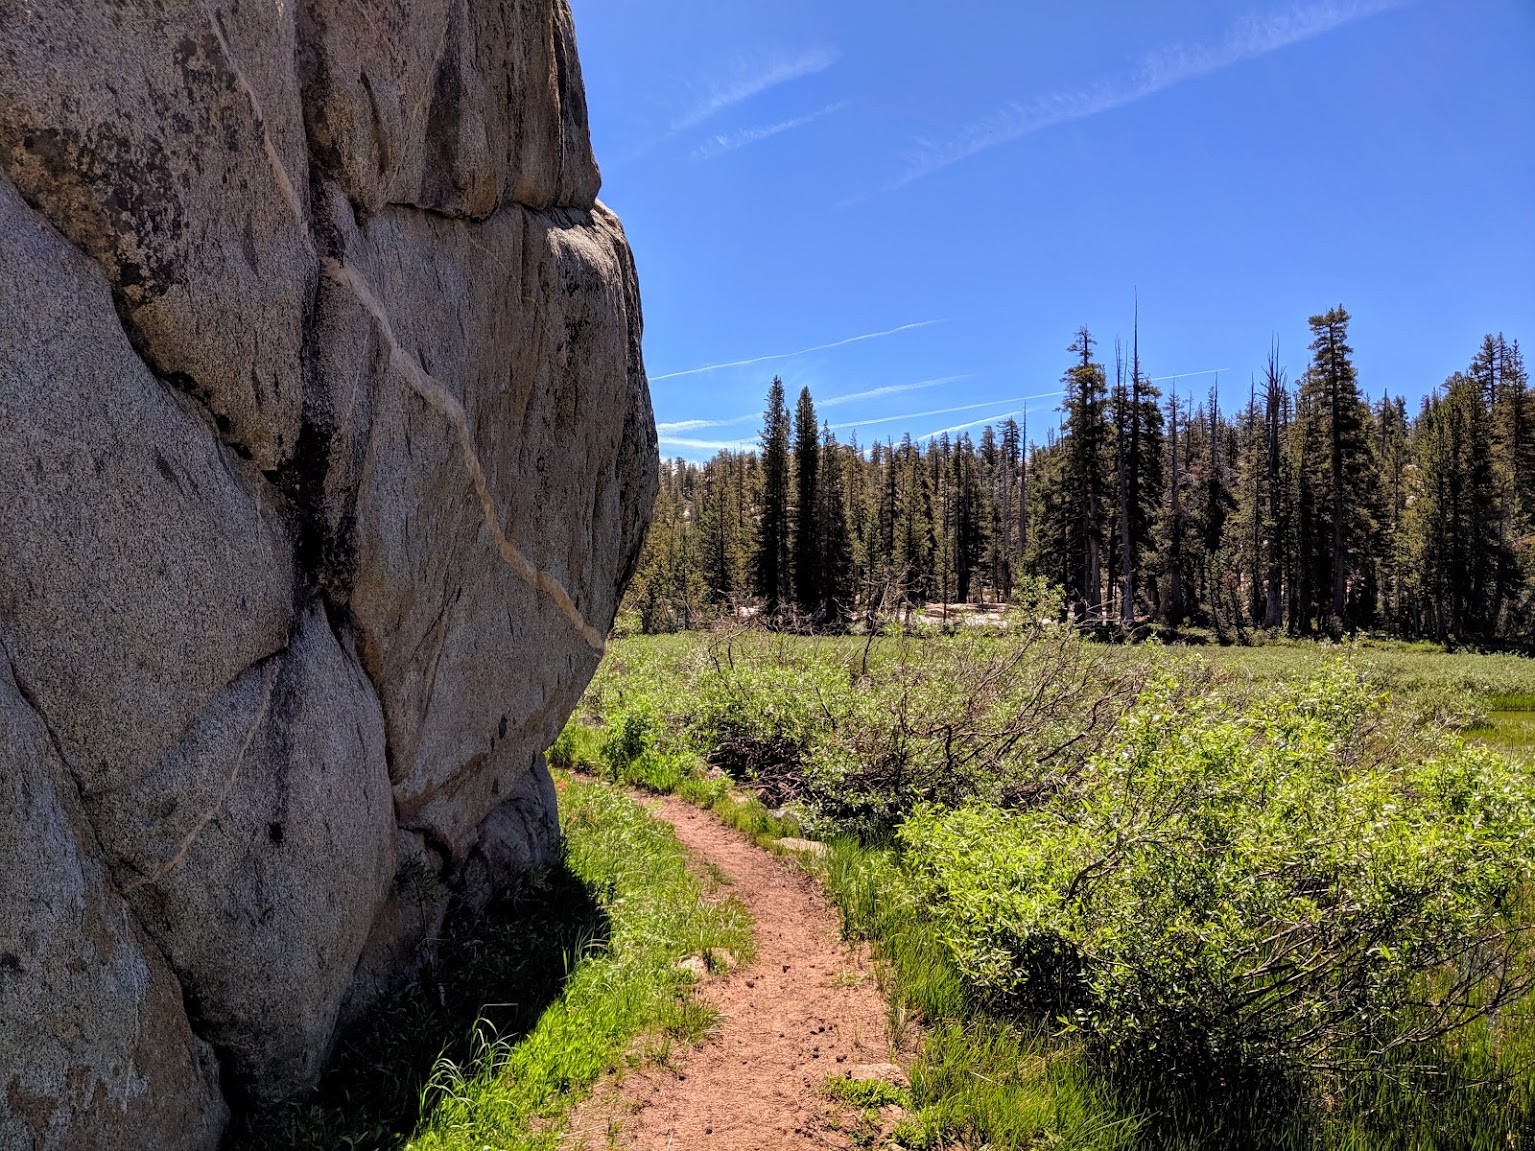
(806, 1009)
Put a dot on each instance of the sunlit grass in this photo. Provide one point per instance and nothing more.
(979, 1079)
(582, 977)
(515, 1091)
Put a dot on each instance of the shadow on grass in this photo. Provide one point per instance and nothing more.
(495, 973)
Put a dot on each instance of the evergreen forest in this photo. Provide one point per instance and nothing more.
(1318, 508)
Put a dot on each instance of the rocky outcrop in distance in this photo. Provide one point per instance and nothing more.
(325, 454)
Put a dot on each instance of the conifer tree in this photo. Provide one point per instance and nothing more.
(807, 462)
(1276, 402)
(1085, 441)
(833, 545)
(1452, 517)
(970, 533)
(1137, 428)
(1009, 479)
(773, 557)
(1339, 428)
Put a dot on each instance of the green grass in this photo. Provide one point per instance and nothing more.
(532, 1004)
(976, 1081)
(1511, 731)
(864, 1092)
(981, 1079)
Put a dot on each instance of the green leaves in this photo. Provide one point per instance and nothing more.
(1276, 886)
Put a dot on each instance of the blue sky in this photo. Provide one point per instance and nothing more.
(910, 207)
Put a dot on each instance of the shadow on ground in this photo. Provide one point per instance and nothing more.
(497, 973)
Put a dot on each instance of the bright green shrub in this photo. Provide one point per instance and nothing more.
(1282, 886)
(761, 711)
(635, 753)
(578, 748)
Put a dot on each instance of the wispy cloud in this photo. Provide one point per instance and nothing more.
(704, 445)
(1255, 36)
(665, 430)
(888, 390)
(791, 355)
(752, 78)
(671, 429)
(730, 141)
(1185, 375)
(945, 412)
(991, 419)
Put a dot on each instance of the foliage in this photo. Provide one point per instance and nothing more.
(860, 734)
(1258, 759)
(863, 1092)
(1277, 888)
(1307, 512)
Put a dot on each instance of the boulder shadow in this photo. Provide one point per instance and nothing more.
(492, 975)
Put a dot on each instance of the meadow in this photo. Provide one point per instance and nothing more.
(1119, 897)
(1151, 896)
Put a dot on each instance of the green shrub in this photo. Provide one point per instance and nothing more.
(762, 708)
(578, 748)
(861, 732)
(1277, 888)
(630, 736)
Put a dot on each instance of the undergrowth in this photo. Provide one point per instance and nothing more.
(1298, 816)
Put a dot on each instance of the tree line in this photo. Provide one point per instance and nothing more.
(1310, 510)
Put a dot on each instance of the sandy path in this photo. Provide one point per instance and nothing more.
(806, 1009)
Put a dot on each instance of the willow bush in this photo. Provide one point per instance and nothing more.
(1298, 883)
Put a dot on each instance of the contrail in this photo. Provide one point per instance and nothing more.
(944, 411)
(977, 422)
(752, 78)
(888, 390)
(719, 145)
(1181, 375)
(973, 423)
(670, 427)
(666, 429)
(1161, 69)
(791, 355)
(710, 445)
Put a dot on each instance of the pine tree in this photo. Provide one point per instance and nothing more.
(970, 514)
(1392, 460)
(723, 525)
(807, 462)
(833, 545)
(1175, 526)
(1276, 404)
(773, 557)
(1137, 429)
(1009, 505)
(1339, 427)
(1051, 514)
(1452, 514)
(1085, 440)
(912, 553)
(1498, 370)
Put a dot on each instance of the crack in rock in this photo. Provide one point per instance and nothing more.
(229, 785)
(421, 381)
(438, 397)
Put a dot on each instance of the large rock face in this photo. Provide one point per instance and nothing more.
(325, 453)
